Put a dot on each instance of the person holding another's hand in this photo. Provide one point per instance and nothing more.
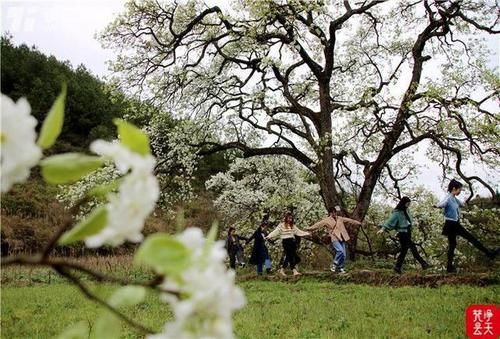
(401, 221)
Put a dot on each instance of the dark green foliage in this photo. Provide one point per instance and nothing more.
(91, 104)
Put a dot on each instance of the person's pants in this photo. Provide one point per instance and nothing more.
(407, 244)
(340, 253)
(290, 249)
(454, 229)
(266, 264)
(232, 260)
(240, 257)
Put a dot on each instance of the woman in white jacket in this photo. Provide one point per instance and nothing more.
(287, 231)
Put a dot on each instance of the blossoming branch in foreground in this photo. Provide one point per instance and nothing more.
(136, 198)
(19, 152)
(207, 295)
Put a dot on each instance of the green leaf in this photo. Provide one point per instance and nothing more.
(127, 296)
(212, 234)
(107, 326)
(69, 167)
(180, 220)
(91, 225)
(163, 253)
(79, 330)
(52, 125)
(101, 191)
(132, 137)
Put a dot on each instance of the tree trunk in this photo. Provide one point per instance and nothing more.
(326, 184)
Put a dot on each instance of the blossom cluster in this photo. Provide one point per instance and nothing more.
(206, 295)
(136, 198)
(72, 194)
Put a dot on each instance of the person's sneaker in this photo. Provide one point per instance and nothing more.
(295, 272)
(397, 270)
(282, 272)
(341, 270)
(333, 268)
(426, 266)
(268, 271)
(451, 270)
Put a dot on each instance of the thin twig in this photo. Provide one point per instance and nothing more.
(67, 224)
(98, 276)
(62, 271)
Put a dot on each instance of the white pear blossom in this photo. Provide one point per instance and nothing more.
(123, 158)
(136, 198)
(207, 293)
(19, 152)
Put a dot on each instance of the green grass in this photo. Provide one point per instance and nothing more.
(307, 308)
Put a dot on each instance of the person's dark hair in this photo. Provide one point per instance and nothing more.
(402, 204)
(229, 231)
(331, 210)
(454, 184)
(288, 214)
(265, 219)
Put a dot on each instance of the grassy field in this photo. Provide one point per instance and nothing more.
(303, 308)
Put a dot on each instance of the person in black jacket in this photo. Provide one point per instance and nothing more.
(260, 254)
(234, 248)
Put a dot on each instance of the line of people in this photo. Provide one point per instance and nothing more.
(399, 221)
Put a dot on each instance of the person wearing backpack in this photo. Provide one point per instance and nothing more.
(401, 221)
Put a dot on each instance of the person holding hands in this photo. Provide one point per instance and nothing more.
(287, 231)
(338, 236)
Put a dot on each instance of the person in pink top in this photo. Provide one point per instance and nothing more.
(338, 236)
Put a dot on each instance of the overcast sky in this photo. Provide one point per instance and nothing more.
(66, 29)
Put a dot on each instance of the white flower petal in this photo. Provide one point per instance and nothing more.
(209, 293)
(19, 152)
(136, 197)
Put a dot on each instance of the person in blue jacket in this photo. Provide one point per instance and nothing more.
(452, 227)
(401, 221)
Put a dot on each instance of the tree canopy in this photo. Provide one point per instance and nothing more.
(92, 104)
(350, 89)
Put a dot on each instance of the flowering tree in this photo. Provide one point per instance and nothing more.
(174, 169)
(348, 89)
(271, 183)
(190, 270)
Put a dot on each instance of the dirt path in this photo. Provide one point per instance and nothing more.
(384, 278)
